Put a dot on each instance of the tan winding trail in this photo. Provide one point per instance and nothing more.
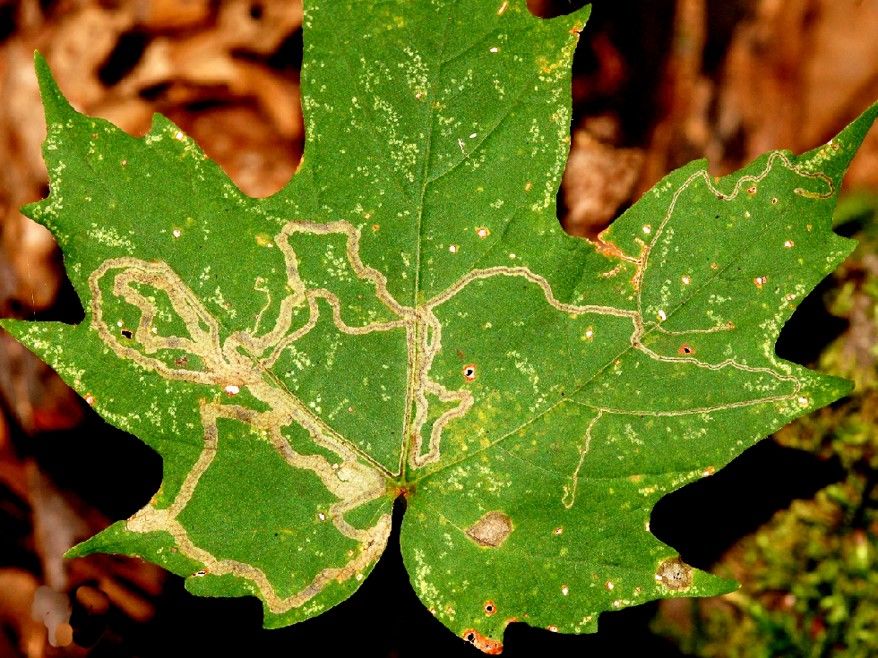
(245, 359)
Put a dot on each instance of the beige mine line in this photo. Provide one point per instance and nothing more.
(430, 348)
(642, 262)
(352, 481)
(242, 362)
(232, 365)
(703, 175)
(752, 181)
(347, 487)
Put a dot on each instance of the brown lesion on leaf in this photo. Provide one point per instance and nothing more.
(483, 643)
(490, 608)
(491, 530)
(674, 574)
(609, 249)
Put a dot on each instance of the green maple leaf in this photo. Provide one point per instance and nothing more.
(407, 317)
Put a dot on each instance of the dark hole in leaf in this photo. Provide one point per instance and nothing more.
(257, 11)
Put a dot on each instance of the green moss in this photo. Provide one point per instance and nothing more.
(810, 576)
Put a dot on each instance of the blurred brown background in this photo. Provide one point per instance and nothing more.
(656, 84)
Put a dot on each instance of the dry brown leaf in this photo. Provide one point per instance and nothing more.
(598, 180)
(18, 587)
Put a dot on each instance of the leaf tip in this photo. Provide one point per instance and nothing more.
(576, 21)
(55, 104)
(838, 153)
(16, 327)
(31, 210)
(836, 388)
(82, 549)
(855, 132)
(108, 540)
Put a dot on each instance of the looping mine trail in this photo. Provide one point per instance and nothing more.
(243, 361)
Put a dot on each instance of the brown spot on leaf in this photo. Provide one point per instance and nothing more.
(490, 608)
(674, 574)
(469, 372)
(491, 530)
(686, 349)
(482, 643)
